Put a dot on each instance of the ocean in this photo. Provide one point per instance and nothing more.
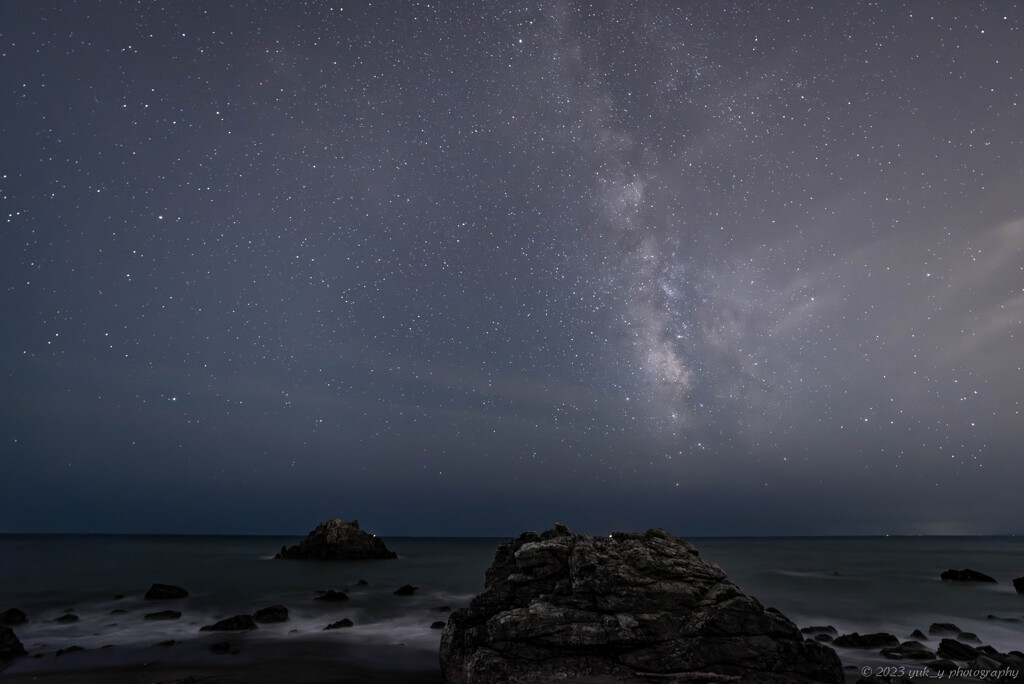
(862, 584)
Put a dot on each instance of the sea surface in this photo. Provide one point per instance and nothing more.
(862, 584)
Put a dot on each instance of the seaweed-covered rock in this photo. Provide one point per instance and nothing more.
(628, 607)
(337, 540)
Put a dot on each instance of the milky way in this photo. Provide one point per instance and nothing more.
(468, 269)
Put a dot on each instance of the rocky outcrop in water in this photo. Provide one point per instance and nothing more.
(164, 592)
(1018, 584)
(626, 608)
(237, 623)
(271, 614)
(965, 575)
(10, 645)
(337, 540)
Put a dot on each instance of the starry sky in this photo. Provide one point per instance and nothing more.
(469, 268)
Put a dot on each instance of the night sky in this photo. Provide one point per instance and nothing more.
(469, 268)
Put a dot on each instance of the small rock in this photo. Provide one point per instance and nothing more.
(169, 642)
(67, 619)
(362, 583)
(406, 590)
(965, 575)
(162, 592)
(876, 640)
(1018, 584)
(164, 615)
(10, 646)
(918, 634)
(969, 637)
(1003, 619)
(955, 650)
(331, 595)
(820, 629)
(338, 540)
(443, 609)
(236, 623)
(118, 611)
(271, 614)
(69, 649)
(909, 650)
(438, 624)
(943, 628)
(12, 617)
(343, 622)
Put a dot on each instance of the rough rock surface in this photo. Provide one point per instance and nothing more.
(338, 540)
(626, 608)
(10, 646)
(965, 575)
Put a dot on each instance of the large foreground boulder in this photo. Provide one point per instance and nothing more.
(560, 606)
(338, 540)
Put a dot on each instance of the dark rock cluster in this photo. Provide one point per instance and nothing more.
(629, 607)
(337, 540)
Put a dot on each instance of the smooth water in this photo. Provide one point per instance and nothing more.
(863, 584)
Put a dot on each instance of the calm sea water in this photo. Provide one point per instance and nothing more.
(860, 584)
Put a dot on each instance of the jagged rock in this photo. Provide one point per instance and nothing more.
(628, 607)
(163, 592)
(338, 540)
(12, 617)
(271, 614)
(331, 595)
(955, 650)
(1018, 584)
(231, 624)
(876, 640)
(10, 645)
(909, 650)
(965, 575)
(343, 622)
(406, 590)
(918, 634)
(438, 624)
(943, 628)
(164, 615)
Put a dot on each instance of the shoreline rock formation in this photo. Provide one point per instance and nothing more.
(627, 608)
(337, 540)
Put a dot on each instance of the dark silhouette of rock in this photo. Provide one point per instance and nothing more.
(169, 642)
(820, 629)
(942, 665)
(955, 650)
(918, 634)
(231, 624)
(67, 619)
(164, 592)
(331, 595)
(118, 611)
(12, 617)
(943, 628)
(406, 590)
(965, 575)
(69, 649)
(362, 583)
(164, 615)
(1003, 619)
(969, 637)
(343, 622)
(876, 640)
(909, 650)
(625, 608)
(10, 645)
(1018, 584)
(271, 614)
(338, 540)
